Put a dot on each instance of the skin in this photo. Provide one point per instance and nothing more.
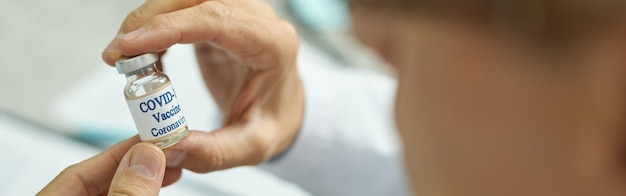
(247, 57)
(478, 114)
(113, 172)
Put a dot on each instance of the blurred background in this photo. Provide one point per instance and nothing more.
(59, 103)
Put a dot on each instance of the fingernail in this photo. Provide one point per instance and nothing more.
(112, 52)
(145, 162)
(133, 34)
(174, 158)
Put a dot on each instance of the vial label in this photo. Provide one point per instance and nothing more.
(157, 114)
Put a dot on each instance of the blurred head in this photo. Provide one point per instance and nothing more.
(523, 97)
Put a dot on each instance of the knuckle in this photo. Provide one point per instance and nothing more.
(163, 21)
(136, 14)
(289, 31)
(215, 9)
(289, 47)
(267, 9)
(258, 158)
(69, 170)
(73, 171)
(213, 158)
(216, 161)
(123, 44)
(262, 150)
(216, 156)
(134, 18)
(262, 9)
(287, 26)
(213, 162)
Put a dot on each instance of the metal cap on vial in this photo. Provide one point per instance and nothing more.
(129, 64)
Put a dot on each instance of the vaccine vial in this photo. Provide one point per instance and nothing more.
(152, 101)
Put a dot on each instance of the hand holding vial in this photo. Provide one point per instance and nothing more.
(247, 57)
(127, 168)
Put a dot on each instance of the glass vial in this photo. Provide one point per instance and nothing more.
(152, 101)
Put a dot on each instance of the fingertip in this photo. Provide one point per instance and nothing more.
(118, 48)
(111, 52)
(110, 56)
(147, 160)
(171, 176)
(140, 172)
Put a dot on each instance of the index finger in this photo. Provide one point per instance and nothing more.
(92, 176)
(256, 40)
(149, 9)
(152, 8)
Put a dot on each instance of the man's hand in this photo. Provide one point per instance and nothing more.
(118, 170)
(247, 57)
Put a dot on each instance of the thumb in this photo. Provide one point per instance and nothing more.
(140, 172)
